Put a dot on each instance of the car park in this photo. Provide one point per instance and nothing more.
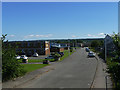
(91, 54)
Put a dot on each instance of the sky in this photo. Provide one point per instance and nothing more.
(58, 20)
(60, 0)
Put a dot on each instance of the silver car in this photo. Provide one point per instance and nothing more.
(24, 57)
(91, 54)
(17, 57)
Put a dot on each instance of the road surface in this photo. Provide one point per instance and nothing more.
(76, 71)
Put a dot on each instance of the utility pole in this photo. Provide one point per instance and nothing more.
(105, 49)
(69, 47)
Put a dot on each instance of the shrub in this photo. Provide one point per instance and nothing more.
(56, 56)
(11, 67)
(71, 49)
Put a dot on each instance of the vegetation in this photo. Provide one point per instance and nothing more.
(71, 49)
(96, 43)
(68, 41)
(114, 62)
(66, 54)
(32, 67)
(35, 60)
(56, 56)
(11, 68)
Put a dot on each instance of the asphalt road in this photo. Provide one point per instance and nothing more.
(76, 71)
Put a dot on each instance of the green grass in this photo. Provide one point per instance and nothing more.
(77, 47)
(20, 60)
(38, 60)
(35, 60)
(32, 67)
(66, 54)
(51, 60)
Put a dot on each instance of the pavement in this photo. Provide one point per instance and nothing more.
(102, 78)
(75, 71)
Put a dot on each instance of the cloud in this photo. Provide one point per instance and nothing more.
(36, 36)
(11, 35)
(96, 35)
(101, 34)
(74, 36)
(89, 35)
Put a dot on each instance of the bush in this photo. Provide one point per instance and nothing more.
(71, 49)
(116, 59)
(56, 56)
(114, 69)
(96, 43)
(11, 67)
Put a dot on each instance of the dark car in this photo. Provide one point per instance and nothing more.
(49, 57)
(46, 61)
(87, 50)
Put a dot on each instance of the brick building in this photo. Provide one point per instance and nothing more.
(31, 47)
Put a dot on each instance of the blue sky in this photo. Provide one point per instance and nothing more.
(54, 20)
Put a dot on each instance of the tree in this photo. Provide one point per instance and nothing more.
(94, 43)
(11, 68)
(114, 63)
(116, 41)
(79, 41)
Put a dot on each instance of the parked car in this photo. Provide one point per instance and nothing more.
(46, 61)
(17, 57)
(87, 49)
(35, 55)
(91, 54)
(49, 57)
(24, 57)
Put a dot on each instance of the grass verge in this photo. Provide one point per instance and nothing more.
(32, 67)
(66, 54)
(38, 60)
(35, 60)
